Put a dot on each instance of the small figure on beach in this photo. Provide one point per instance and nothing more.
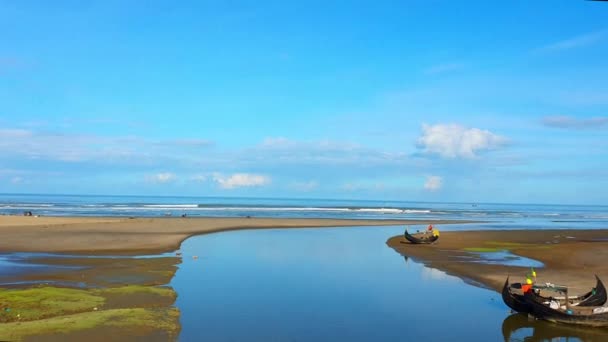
(27, 213)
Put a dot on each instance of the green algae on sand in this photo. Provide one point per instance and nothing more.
(497, 246)
(134, 322)
(48, 310)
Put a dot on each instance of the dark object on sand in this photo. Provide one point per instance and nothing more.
(420, 238)
(524, 303)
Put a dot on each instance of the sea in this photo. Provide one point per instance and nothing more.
(489, 215)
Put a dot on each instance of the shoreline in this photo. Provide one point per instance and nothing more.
(569, 257)
(133, 236)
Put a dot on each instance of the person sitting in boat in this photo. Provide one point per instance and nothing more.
(527, 287)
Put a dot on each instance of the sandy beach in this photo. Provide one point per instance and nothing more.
(130, 236)
(570, 257)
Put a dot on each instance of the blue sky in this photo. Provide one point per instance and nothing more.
(424, 100)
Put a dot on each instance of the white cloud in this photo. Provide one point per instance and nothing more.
(564, 121)
(575, 42)
(454, 141)
(239, 180)
(163, 177)
(433, 183)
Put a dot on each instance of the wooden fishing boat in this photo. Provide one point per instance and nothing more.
(596, 297)
(420, 238)
(596, 316)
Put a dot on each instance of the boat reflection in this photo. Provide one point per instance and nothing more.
(519, 327)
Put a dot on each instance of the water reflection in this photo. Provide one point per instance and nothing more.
(506, 258)
(324, 285)
(520, 327)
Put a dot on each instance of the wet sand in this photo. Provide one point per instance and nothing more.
(90, 298)
(131, 236)
(570, 257)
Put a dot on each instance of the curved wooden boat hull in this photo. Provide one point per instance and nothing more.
(518, 303)
(420, 238)
(577, 316)
(515, 301)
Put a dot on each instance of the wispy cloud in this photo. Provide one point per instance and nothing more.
(17, 180)
(570, 122)
(186, 143)
(75, 148)
(160, 178)
(433, 183)
(199, 178)
(365, 187)
(456, 141)
(443, 68)
(323, 152)
(584, 98)
(240, 180)
(305, 186)
(574, 42)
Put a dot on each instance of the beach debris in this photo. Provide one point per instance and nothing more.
(178, 253)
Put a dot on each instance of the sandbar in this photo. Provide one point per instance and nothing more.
(570, 257)
(129, 236)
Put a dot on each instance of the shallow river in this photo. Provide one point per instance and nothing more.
(333, 284)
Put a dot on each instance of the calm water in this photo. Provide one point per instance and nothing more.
(327, 285)
(495, 215)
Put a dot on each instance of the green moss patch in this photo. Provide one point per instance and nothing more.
(497, 246)
(43, 302)
(137, 320)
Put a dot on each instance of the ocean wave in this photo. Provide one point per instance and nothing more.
(420, 211)
(27, 205)
(170, 206)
